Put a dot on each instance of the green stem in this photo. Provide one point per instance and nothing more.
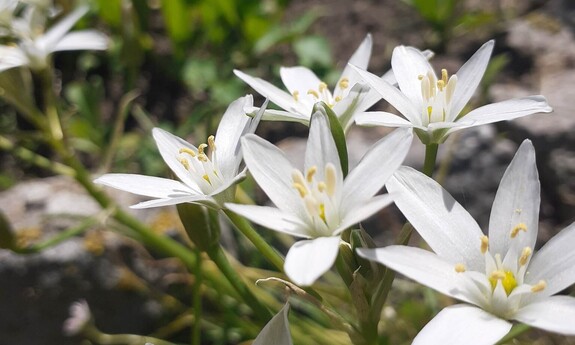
(197, 302)
(50, 108)
(262, 246)
(430, 157)
(516, 331)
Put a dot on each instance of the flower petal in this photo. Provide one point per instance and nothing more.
(381, 118)
(300, 79)
(82, 40)
(555, 262)
(11, 57)
(363, 211)
(463, 324)
(198, 199)
(48, 41)
(554, 314)
(376, 167)
(272, 218)
(420, 265)
(469, 76)
(320, 148)
(360, 58)
(442, 222)
(392, 95)
(308, 260)
(276, 331)
(350, 105)
(516, 203)
(155, 187)
(408, 64)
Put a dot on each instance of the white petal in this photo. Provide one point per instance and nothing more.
(320, 148)
(381, 118)
(442, 222)
(362, 211)
(360, 58)
(392, 95)
(300, 79)
(507, 110)
(350, 105)
(198, 199)
(276, 95)
(408, 64)
(56, 32)
(554, 314)
(516, 202)
(272, 218)
(469, 76)
(155, 187)
(463, 324)
(282, 115)
(376, 167)
(82, 40)
(308, 260)
(11, 57)
(276, 331)
(169, 146)
(272, 172)
(420, 265)
(555, 262)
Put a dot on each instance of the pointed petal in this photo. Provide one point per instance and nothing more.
(155, 187)
(442, 222)
(272, 171)
(363, 211)
(82, 40)
(554, 314)
(408, 64)
(199, 199)
(506, 110)
(463, 324)
(555, 262)
(279, 115)
(11, 57)
(360, 58)
(276, 331)
(376, 167)
(308, 260)
(469, 76)
(381, 118)
(392, 95)
(56, 32)
(516, 203)
(320, 148)
(300, 79)
(350, 105)
(169, 146)
(283, 99)
(272, 218)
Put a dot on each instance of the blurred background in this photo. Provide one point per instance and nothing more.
(170, 64)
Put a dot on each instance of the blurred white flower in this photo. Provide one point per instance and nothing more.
(80, 316)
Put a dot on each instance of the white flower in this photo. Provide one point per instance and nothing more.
(317, 204)
(500, 276)
(80, 316)
(306, 89)
(433, 106)
(204, 179)
(33, 51)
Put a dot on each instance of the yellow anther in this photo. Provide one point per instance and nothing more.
(310, 172)
(301, 189)
(201, 149)
(525, 254)
(517, 228)
(322, 86)
(184, 162)
(202, 157)
(207, 178)
(344, 83)
(321, 187)
(460, 268)
(188, 151)
(444, 76)
(297, 177)
(313, 93)
(497, 275)
(440, 85)
(484, 244)
(212, 142)
(295, 95)
(330, 179)
(540, 286)
(337, 98)
(420, 77)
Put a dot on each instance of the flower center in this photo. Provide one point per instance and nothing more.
(203, 170)
(437, 95)
(323, 94)
(507, 279)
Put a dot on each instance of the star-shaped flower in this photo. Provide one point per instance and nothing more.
(433, 106)
(500, 276)
(317, 203)
(206, 177)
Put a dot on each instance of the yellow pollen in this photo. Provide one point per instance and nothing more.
(440, 85)
(322, 87)
(321, 187)
(525, 254)
(517, 228)
(184, 162)
(337, 98)
(484, 244)
(202, 157)
(313, 93)
(344, 83)
(444, 76)
(420, 77)
(301, 189)
(207, 178)
(188, 151)
(330, 179)
(539, 286)
(212, 142)
(201, 149)
(310, 172)
(507, 278)
(295, 95)
(460, 268)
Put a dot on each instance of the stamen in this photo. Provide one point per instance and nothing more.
(497, 275)
(539, 286)
(301, 189)
(201, 149)
(188, 151)
(337, 98)
(330, 179)
(202, 157)
(518, 210)
(459, 268)
(344, 83)
(525, 254)
(321, 187)
(212, 142)
(420, 77)
(484, 244)
(311, 205)
(313, 93)
(444, 76)
(297, 177)
(322, 86)
(310, 172)
(184, 162)
(517, 228)
(440, 85)
(295, 95)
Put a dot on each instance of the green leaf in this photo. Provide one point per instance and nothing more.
(177, 20)
(313, 51)
(337, 134)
